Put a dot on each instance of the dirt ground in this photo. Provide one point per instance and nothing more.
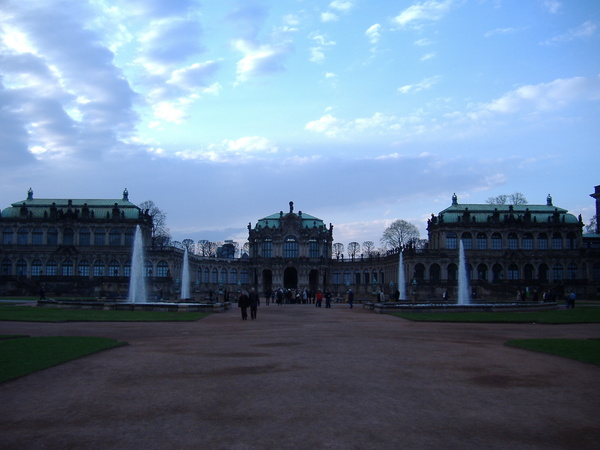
(300, 377)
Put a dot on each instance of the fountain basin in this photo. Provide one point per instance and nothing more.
(128, 306)
(453, 307)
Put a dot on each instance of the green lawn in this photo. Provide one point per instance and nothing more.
(25, 355)
(33, 314)
(577, 315)
(585, 350)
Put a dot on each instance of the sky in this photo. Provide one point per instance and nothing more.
(360, 112)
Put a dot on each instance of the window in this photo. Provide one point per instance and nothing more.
(528, 272)
(267, 248)
(347, 277)
(148, 268)
(434, 272)
(214, 276)
(557, 241)
(206, 275)
(7, 236)
(513, 241)
(337, 277)
(223, 276)
(6, 267)
(67, 268)
(482, 272)
(51, 268)
(114, 237)
(528, 241)
(542, 241)
(84, 268)
(571, 241)
(452, 272)
(557, 272)
(99, 268)
(290, 247)
(313, 248)
(37, 238)
(233, 276)
(513, 272)
(451, 242)
(52, 236)
(543, 272)
(114, 268)
(36, 268)
(84, 237)
(21, 267)
(497, 273)
(481, 241)
(367, 276)
(357, 277)
(23, 236)
(467, 241)
(244, 276)
(162, 268)
(99, 236)
(68, 236)
(129, 237)
(572, 271)
(496, 241)
(127, 269)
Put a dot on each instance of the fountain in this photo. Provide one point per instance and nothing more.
(401, 277)
(137, 281)
(464, 297)
(185, 276)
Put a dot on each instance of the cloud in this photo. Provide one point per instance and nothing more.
(500, 31)
(427, 11)
(373, 33)
(239, 150)
(427, 56)
(260, 59)
(341, 5)
(427, 83)
(552, 6)
(328, 16)
(583, 31)
(194, 76)
(378, 123)
(317, 53)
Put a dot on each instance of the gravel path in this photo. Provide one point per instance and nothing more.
(300, 377)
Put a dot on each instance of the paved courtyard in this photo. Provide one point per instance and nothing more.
(299, 377)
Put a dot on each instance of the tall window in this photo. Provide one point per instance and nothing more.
(513, 272)
(99, 236)
(528, 272)
(114, 237)
(571, 241)
(347, 277)
(528, 241)
(467, 241)
(162, 268)
(67, 268)
(84, 237)
(267, 248)
(233, 276)
(451, 242)
(290, 247)
(23, 236)
(497, 273)
(337, 277)
(482, 272)
(6, 267)
(481, 241)
(51, 268)
(84, 268)
(127, 269)
(557, 241)
(313, 248)
(557, 272)
(99, 268)
(496, 241)
(21, 267)
(572, 271)
(244, 276)
(7, 236)
(223, 276)
(68, 236)
(206, 278)
(513, 242)
(36, 268)
(37, 238)
(114, 268)
(542, 241)
(214, 276)
(52, 237)
(129, 236)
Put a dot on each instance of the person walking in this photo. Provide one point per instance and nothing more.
(319, 299)
(243, 303)
(327, 299)
(351, 298)
(254, 301)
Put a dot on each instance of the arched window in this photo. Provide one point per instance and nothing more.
(114, 237)
(7, 236)
(52, 237)
(66, 268)
(223, 277)
(542, 241)
(482, 272)
(267, 248)
(99, 237)
(129, 236)
(557, 272)
(99, 268)
(367, 277)
(357, 277)
(572, 271)
(452, 272)
(84, 268)
(451, 242)
(244, 276)
(84, 237)
(51, 268)
(127, 269)
(467, 240)
(21, 267)
(497, 273)
(374, 278)
(435, 272)
(36, 268)
(528, 272)
(481, 241)
(513, 272)
(114, 268)
(206, 278)
(290, 247)
(313, 248)
(337, 277)
(148, 268)
(347, 277)
(528, 241)
(513, 241)
(37, 237)
(214, 276)
(543, 272)
(162, 269)
(23, 236)
(233, 276)
(496, 241)
(571, 241)
(557, 243)
(6, 266)
(68, 236)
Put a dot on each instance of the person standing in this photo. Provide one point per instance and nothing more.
(243, 303)
(254, 301)
(351, 298)
(319, 299)
(327, 299)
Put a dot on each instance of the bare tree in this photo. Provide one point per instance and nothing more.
(368, 247)
(592, 227)
(399, 234)
(189, 244)
(498, 200)
(338, 249)
(203, 247)
(353, 249)
(161, 235)
(516, 198)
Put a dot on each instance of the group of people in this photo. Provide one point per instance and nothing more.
(249, 300)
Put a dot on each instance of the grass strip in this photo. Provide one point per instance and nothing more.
(23, 356)
(582, 315)
(584, 350)
(33, 314)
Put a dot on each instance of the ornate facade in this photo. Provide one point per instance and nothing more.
(83, 248)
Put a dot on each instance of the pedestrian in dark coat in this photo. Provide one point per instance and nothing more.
(243, 303)
(254, 301)
(351, 298)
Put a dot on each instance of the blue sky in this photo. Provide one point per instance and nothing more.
(361, 112)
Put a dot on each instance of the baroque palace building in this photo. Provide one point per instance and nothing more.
(82, 247)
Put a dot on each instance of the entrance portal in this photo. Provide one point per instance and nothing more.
(313, 280)
(267, 280)
(290, 278)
